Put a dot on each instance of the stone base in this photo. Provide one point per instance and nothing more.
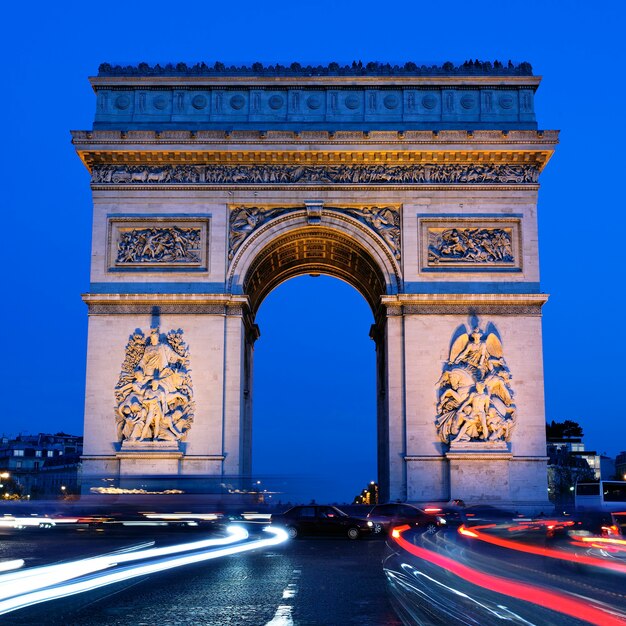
(479, 471)
(479, 446)
(154, 458)
(150, 446)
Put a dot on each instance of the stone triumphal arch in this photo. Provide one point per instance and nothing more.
(416, 185)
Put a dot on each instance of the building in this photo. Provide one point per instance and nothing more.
(566, 450)
(418, 186)
(620, 466)
(43, 464)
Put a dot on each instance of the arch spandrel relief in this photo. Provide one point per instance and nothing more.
(384, 221)
(154, 393)
(475, 398)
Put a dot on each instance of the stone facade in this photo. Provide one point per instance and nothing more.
(200, 211)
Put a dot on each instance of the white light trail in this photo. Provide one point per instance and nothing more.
(45, 576)
(51, 588)
(6, 566)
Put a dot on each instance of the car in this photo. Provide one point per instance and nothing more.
(486, 514)
(398, 514)
(317, 519)
(589, 523)
(452, 513)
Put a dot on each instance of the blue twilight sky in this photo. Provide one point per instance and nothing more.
(314, 391)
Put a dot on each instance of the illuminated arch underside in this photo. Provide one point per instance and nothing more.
(314, 251)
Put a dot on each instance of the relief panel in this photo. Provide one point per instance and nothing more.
(158, 244)
(477, 244)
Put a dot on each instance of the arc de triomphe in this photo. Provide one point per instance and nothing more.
(418, 186)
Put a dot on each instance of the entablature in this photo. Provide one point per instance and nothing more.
(319, 147)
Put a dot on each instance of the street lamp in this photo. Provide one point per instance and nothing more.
(5, 475)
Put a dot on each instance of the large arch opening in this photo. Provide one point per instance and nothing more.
(300, 253)
(314, 422)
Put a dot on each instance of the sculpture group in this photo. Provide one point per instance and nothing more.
(470, 245)
(159, 245)
(453, 173)
(475, 399)
(154, 394)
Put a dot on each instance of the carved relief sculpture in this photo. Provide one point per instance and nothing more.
(470, 245)
(475, 399)
(385, 221)
(267, 174)
(159, 245)
(154, 394)
(243, 220)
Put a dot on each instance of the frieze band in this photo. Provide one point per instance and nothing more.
(428, 173)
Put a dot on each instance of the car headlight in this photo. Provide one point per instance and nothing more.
(441, 520)
(370, 523)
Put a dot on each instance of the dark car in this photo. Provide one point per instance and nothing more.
(315, 519)
(390, 515)
(486, 514)
(589, 523)
(452, 513)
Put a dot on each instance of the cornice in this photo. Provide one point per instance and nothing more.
(175, 304)
(206, 147)
(276, 157)
(338, 138)
(165, 298)
(462, 304)
(95, 147)
(445, 299)
(128, 82)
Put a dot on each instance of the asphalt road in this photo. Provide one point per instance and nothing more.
(306, 582)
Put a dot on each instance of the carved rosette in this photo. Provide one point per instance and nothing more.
(154, 394)
(475, 398)
(355, 174)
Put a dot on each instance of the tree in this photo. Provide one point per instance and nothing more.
(561, 430)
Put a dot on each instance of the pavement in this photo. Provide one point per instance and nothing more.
(306, 582)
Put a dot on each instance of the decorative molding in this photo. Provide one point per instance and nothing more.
(184, 304)
(201, 141)
(465, 304)
(479, 456)
(359, 174)
(464, 310)
(167, 309)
